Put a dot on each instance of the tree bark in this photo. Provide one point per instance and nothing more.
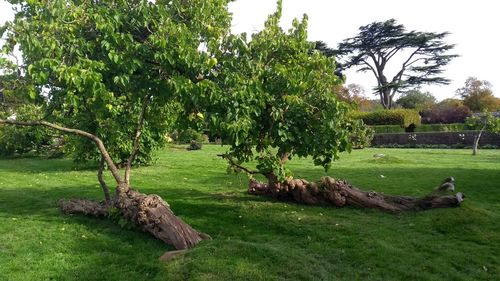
(149, 212)
(137, 136)
(103, 184)
(476, 141)
(340, 193)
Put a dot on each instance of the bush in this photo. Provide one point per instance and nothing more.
(402, 117)
(362, 137)
(194, 145)
(446, 114)
(456, 127)
(188, 135)
(391, 129)
(387, 129)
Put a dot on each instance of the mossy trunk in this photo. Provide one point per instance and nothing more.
(340, 193)
(149, 212)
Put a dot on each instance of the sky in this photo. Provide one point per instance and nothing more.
(472, 24)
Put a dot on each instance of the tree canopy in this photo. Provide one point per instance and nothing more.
(478, 96)
(277, 96)
(421, 57)
(103, 66)
(415, 99)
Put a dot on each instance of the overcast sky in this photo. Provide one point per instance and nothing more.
(473, 24)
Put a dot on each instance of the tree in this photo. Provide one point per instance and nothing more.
(478, 96)
(485, 121)
(423, 55)
(109, 71)
(276, 101)
(415, 99)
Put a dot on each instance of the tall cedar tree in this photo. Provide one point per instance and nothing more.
(422, 56)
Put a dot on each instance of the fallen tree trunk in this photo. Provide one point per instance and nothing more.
(149, 212)
(340, 193)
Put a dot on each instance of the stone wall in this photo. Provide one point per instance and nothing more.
(465, 138)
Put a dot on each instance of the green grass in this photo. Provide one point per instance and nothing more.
(257, 238)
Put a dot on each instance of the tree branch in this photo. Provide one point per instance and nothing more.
(138, 131)
(234, 164)
(100, 145)
(392, 52)
(104, 186)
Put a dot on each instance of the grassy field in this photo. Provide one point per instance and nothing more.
(256, 238)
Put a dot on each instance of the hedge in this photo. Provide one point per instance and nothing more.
(456, 127)
(401, 117)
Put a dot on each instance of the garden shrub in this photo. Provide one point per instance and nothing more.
(455, 127)
(362, 137)
(188, 135)
(194, 145)
(387, 129)
(401, 117)
(445, 114)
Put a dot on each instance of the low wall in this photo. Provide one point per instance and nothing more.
(465, 138)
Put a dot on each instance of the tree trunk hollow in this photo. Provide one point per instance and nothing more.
(340, 193)
(149, 212)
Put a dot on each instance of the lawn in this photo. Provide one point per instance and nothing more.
(256, 238)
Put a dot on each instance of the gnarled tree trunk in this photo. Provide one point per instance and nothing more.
(149, 212)
(340, 193)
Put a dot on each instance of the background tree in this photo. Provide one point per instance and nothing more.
(485, 121)
(423, 55)
(324, 49)
(111, 70)
(415, 99)
(19, 141)
(478, 96)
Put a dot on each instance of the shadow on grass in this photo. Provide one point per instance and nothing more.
(267, 231)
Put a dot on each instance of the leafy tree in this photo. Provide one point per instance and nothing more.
(478, 96)
(415, 99)
(276, 97)
(485, 121)
(276, 101)
(423, 55)
(451, 102)
(112, 72)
